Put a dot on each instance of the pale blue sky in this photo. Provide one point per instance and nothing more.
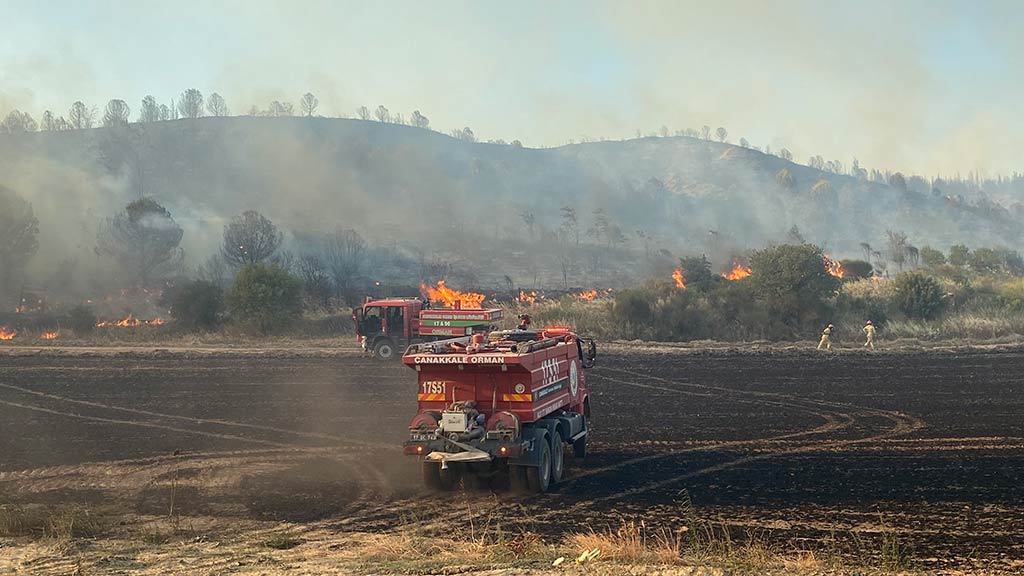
(928, 87)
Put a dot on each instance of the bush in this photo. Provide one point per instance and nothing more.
(632, 309)
(697, 272)
(918, 295)
(857, 269)
(81, 320)
(197, 305)
(958, 255)
(1011, 295)
(265, 297)
(792, 282)
(735, 312)
(931, 257)
(985, 261)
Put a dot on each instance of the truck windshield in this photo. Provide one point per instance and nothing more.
(369, 320)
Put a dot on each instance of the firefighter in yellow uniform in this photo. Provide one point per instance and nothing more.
(869, 331)
(826, 338)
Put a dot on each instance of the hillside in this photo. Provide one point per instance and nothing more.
(430, 196)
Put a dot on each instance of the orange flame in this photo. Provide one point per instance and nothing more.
(834, 267)
(738, 271)
(524, 297)
(449, 297)
(7, 333)
(50, 335)
(587, 295)
(678, 277)
(130, 321)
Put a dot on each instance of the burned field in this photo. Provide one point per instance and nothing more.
(833, 453)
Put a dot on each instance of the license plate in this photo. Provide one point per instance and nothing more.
(422, 437)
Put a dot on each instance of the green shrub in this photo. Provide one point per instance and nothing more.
(918, 295)
(697, 273)
(197, 305)
(959, 254)
(735, 312)
(684, 315)
(856, 269)
(265, 297)
(1011, 295)
(985, 261)
(931, 257)
(81, 320)
(791, 281)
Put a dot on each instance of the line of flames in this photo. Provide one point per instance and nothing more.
(130, 321)
(7, 333)
(448, 296)
(587, 295)
(528, 297)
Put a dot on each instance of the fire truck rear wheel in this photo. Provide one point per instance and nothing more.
(557, 459)
(432, 475)
(539, 477)
(517, 481)
(384, 350)
(436, 478)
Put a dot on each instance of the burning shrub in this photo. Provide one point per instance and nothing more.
(197, 305)
(81, 320)
(265, 297)
(697, 272)
(918, 295)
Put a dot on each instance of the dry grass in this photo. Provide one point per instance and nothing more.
(632, 543)
(590, 317)
(879, 290)
(975, 325)
(18, 521)
(705, 544)
(63, 523)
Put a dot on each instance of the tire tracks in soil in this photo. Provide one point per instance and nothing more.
(192, 419)
(837, 416)
(902, 424)
(441, 514)
(136, 474)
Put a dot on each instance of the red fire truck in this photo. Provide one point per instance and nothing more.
(500, 408)
(384, 326)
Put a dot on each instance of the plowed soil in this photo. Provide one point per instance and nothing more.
(831, 452)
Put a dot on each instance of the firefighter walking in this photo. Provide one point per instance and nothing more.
(826, 338)
(869, 332)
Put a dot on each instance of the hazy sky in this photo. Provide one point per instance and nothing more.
(920, 86)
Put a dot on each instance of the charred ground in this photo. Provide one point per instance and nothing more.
(806, 451)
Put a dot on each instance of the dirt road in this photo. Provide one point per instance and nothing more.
(805, 450)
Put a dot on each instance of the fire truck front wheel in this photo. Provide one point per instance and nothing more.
(539, 477)
(384, 349)
(579, 448)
